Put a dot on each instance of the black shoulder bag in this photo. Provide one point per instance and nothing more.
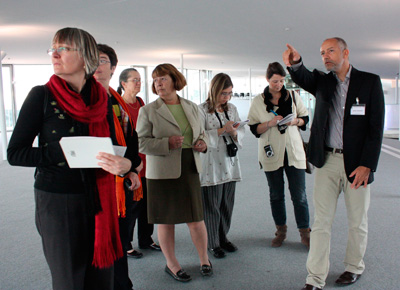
(231, 148)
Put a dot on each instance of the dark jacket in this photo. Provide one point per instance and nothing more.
(362, 135)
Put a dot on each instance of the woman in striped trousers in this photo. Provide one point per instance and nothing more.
(221, 168)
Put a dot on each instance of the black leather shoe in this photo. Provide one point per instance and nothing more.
(310, 287)
(206, 270)
(229, 247)
(218, 252)
(180, 276)
(153, 247)
(134, 254)
(347, 278)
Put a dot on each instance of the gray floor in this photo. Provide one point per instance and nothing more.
(255, 266)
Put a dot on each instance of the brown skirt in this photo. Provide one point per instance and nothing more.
(176, 201)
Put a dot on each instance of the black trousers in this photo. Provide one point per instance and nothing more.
(121, 271)
(67, 232)
(139, 212)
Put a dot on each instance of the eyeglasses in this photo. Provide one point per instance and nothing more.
(103, 61)
(135, 81)
(226, 94)
(60, 50)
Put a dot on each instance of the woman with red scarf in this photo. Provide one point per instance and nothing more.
(76, 211)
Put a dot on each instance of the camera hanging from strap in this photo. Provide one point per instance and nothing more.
(231, 147)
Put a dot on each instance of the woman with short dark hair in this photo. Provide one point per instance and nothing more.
(172, 137)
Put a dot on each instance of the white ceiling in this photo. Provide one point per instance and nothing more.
(221, 35)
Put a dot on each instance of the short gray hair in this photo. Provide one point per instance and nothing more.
(342, 43)
(83, 41)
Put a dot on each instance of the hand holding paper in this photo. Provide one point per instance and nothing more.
(289, 118)
(114, 164)
(235, 125)
(241, 123)
(81, 152)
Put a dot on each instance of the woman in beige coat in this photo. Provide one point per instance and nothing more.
(280, 148)
(172, 137)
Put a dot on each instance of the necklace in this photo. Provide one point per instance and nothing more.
(275, 101)
(133, 106)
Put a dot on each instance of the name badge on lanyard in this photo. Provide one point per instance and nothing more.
(358, 109)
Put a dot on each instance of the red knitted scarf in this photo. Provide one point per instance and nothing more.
(107, 243)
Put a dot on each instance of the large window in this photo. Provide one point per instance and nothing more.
(18, 80)
(193, 85)
(151, 97)
(26, 77)
(8, 103)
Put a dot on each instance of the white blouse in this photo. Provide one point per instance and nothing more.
(218, 167)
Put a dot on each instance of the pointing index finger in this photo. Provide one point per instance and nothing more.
(290, 47)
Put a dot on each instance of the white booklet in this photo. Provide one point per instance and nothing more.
(241, 124)
(81, 152)
(287, 119)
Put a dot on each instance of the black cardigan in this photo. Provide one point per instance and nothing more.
(51, 123)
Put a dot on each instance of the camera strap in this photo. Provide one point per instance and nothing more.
(220, 122)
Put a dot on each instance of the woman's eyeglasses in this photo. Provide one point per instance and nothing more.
(135, 81)
(60, 50)
(227, 94)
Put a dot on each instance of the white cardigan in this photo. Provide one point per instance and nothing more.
(218, 167)
(291, 140)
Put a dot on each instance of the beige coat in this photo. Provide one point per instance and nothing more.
(291, 140)
(154, 127)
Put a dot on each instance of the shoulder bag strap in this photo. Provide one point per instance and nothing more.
(220, 122)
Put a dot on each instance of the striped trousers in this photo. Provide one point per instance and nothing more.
(218, 201)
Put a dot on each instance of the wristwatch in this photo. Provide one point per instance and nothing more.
(126, 173)
(123, 175)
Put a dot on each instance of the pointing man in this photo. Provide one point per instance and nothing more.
(344, 146)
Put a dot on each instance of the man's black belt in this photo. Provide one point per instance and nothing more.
(334, 150)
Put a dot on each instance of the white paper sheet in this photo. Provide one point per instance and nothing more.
(81, 152)
(119, 150)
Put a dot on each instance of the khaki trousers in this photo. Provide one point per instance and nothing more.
(330, 181)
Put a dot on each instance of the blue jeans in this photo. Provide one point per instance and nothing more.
(297, 187)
